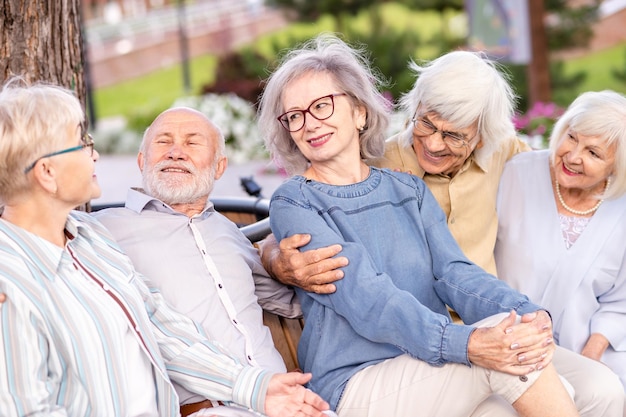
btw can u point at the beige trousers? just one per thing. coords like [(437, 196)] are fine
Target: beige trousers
[(407, 387), (596, 390)]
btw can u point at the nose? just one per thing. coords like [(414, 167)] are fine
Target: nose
[(575, 155), (176, 152), (95, 155), (434, 142), (310, 122)]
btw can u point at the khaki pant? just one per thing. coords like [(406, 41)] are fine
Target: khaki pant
[(407, 387), (595, 386)]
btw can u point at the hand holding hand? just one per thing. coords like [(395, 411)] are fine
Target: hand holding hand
[(314, 270), (286, 397), (511, 347)]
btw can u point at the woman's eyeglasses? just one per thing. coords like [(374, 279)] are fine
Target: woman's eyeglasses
[(86, 145), (321, 109)]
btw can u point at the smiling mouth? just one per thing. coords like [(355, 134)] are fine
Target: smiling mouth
[(318, 140), (569, 170), (435, 156), (175, 170)]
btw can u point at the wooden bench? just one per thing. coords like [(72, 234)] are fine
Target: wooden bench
[(286, 335)]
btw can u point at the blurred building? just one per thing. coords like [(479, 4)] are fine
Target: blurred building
[(129, 38)]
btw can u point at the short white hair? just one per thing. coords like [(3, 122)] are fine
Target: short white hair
[(601, 114)]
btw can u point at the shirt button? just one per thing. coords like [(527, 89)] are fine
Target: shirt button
[(523, 378)]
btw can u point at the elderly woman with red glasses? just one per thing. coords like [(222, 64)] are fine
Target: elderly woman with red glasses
[(383, 343)]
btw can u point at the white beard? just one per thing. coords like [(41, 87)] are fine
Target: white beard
[(172, 189)]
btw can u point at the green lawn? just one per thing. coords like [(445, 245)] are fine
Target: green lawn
[(157, 90), (598, 67)]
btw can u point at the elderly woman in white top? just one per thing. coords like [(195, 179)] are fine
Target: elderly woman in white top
[(562, 228)]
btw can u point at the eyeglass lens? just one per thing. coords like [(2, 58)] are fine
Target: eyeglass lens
[(321, 109), (425, 127)]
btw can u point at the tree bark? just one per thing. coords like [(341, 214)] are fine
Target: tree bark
[(41, 40), (539, 67)]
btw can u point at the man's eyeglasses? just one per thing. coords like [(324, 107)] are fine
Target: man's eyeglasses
[(321, 109), (424, 127), (86, 145)]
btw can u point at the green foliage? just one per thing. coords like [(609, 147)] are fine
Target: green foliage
[(438, 5), (414, 35), (564, 84), (573, 27), (313, 10), (309, 10), (592, 72)]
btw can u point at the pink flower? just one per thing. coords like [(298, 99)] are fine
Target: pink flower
[(539, 120)]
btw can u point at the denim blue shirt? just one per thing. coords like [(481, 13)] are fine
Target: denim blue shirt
[(405, 267)]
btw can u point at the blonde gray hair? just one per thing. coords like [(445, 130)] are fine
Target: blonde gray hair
[(34, 121)]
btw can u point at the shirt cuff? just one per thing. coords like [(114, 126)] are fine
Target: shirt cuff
[(455, 343), (251, 387)]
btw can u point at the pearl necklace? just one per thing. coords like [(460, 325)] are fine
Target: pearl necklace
[(579, 212)]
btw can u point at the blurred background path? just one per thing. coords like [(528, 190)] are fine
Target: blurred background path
[(116, 173)]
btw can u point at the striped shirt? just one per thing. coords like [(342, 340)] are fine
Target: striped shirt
[(61, 349)]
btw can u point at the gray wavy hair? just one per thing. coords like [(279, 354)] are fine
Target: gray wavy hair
[(351, 72)]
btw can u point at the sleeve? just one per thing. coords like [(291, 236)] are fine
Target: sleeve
[(272, 296), (196, 363), (610, 318), (517, 146), (364, 294), (472, 292), (25, 385), (275, 297)]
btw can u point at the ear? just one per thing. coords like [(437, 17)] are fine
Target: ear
[(44, 174), (480, 144), (222, 164), (140, 161), (360, 116)]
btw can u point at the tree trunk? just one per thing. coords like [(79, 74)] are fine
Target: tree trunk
[(539, 67), (41, 40)]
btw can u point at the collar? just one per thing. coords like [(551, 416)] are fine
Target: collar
[(137, 200), (47, 261)]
